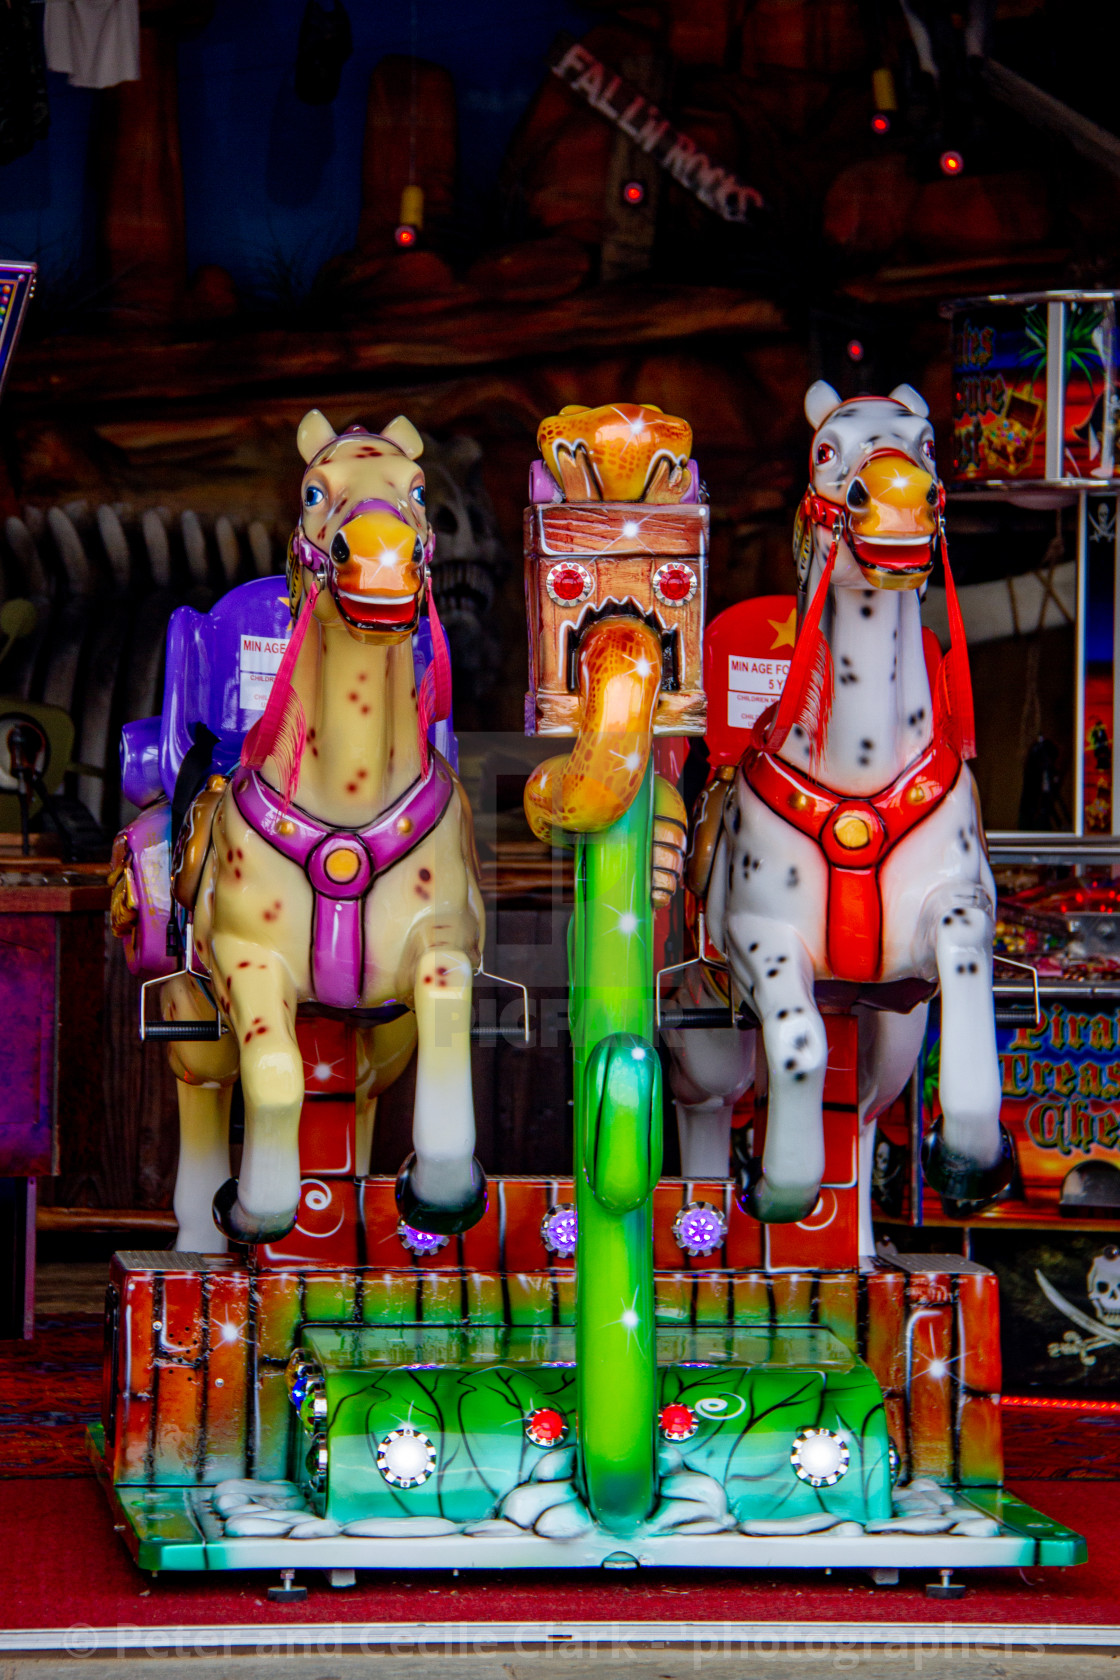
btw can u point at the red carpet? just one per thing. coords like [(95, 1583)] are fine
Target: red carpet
[(69, 1567), (50, 1389)]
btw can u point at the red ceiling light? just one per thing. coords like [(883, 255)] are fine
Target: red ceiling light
[(405, 236), (952, 163), (855, 350), (880, 123), (634, 192)]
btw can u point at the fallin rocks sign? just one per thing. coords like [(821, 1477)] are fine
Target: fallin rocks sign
[(639, 119)]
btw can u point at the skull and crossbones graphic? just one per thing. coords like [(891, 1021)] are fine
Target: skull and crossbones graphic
[(1103, 1288)]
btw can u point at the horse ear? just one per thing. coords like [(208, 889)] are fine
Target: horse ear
[(315, 432), (404, 434), (911, 399), (820, 400)]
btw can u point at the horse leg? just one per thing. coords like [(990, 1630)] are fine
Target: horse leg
[(771, 966), (261, 1204), (709, 1071), (383, 1053), (966, 1156), (206, 1073), (441, 1186), (888, 1049)]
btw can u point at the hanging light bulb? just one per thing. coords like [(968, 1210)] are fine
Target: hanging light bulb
[(884, 99), (412, 216)]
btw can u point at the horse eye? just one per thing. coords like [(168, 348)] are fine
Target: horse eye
[(927, 449), (825, 453), (418, 494), (313, 495)]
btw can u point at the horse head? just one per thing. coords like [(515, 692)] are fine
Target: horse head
[(873, 489), (363, 529)]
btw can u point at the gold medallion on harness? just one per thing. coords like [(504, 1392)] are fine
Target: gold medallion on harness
[(342, 865), (851, 831)]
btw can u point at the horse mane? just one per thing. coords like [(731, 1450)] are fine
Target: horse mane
[(806, 697), (433, 703), (953, 705), (280, 733)]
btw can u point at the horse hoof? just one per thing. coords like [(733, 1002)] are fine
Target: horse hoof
[(775, 1204), (232, 1220), (440, 1221), (962, 1185)]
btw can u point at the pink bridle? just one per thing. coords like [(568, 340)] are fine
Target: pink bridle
[(281, 729)]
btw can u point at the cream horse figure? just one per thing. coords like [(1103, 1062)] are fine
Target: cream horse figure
[(338, 866), (849, 847)]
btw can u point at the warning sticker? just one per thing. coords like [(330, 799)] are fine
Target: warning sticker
[(752, 685), (259, 663)]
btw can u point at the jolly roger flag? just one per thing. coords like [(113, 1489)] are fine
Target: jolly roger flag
[(1059, 1309)]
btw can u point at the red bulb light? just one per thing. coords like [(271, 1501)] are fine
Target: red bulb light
[(634, 192), (546, 1426), (678, 1422), (405, 236), (674, 583), (881, 123), (952, 163), (855, 350), (568, 583)]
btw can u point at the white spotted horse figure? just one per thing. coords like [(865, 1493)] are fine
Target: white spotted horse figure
[(850, 864)]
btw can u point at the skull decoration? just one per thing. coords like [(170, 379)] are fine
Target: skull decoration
[(469, 560), (1104, 1286)]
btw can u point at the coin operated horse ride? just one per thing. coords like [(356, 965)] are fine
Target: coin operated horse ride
[(335, 866), (612, 1370), (842, 866)]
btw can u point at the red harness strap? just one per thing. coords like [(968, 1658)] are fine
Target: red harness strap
[(856, 835)]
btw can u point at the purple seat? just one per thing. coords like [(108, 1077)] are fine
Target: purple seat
[(219, 671)]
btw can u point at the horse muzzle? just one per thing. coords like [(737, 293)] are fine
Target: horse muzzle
[(375, 574), (893, 511)]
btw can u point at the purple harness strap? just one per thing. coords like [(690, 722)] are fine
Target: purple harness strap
[(342, 865)]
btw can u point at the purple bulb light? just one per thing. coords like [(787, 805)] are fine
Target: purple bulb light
[(420, 1242), (560, 1229), (699, 1228)]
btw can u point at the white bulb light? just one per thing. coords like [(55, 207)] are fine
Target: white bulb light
[(406, 1457), (819, 1457)]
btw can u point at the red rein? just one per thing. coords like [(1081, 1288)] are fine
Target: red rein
[(807, 693)]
